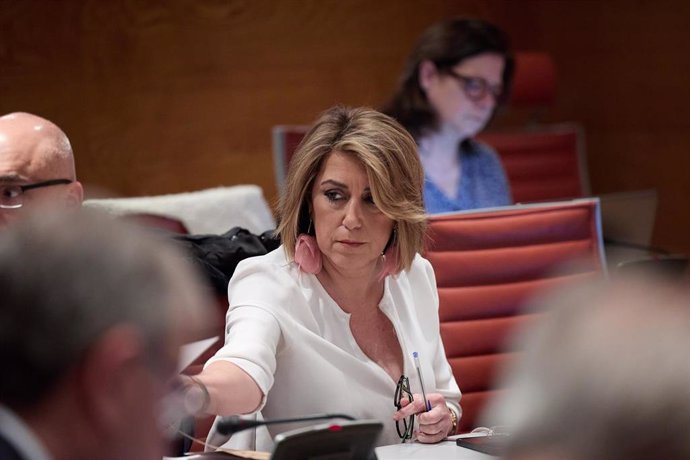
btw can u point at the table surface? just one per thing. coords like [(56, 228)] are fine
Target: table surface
[(415, 451), (442, 451)]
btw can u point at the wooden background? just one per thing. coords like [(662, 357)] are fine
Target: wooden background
[(178, 95)]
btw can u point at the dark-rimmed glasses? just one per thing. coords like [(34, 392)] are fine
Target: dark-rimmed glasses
[(405, 427), (476, 88), (12, 196)]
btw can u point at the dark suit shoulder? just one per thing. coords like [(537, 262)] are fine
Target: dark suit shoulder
[(7, 451)]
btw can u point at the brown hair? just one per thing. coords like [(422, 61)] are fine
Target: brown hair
[(446, 44)]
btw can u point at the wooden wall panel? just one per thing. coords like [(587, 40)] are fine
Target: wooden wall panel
[(161, 97)]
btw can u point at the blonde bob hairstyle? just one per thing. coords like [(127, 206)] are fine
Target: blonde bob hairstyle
[(389, 155)]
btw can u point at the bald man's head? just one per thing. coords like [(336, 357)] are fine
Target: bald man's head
[(34, 150)]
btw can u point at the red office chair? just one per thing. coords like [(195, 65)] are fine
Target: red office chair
[(488, 265), (543, 164)]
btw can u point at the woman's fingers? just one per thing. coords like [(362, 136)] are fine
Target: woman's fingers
[(434, 425), (409, 408)]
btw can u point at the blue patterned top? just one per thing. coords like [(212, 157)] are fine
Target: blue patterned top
[(483, 183)]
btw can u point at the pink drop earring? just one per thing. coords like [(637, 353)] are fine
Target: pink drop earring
[(307, 253)]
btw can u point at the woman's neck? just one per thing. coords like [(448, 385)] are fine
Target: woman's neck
[(445, 139), (352, 290), (441, 146), (439, 155)]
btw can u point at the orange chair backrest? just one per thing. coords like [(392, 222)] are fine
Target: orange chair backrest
[(488, 265), (542, 164)]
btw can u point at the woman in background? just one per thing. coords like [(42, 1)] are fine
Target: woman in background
[(457, 74), (329, 321)]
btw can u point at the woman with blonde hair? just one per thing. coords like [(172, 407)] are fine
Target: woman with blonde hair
[(329, 321)]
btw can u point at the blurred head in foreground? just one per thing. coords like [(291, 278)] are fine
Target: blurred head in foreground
[(606, 375), (93, 313)]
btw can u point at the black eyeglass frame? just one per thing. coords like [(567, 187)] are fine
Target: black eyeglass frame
[(483, 89), (402, 389), (23, 188)]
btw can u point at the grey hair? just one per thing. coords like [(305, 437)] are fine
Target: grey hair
[(66, 278), (605, 376)]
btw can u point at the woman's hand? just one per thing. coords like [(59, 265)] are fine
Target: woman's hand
[(432, 426)]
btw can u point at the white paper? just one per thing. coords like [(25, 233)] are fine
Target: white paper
[(191, 351), (481, 434)]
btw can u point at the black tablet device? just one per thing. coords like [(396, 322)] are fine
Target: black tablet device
[(347, 440), (492, 445)]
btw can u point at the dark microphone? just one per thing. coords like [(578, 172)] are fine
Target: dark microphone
[(233, 424)]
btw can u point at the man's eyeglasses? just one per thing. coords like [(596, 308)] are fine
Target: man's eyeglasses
[(12, 196), (476, 88), (405, 427)]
